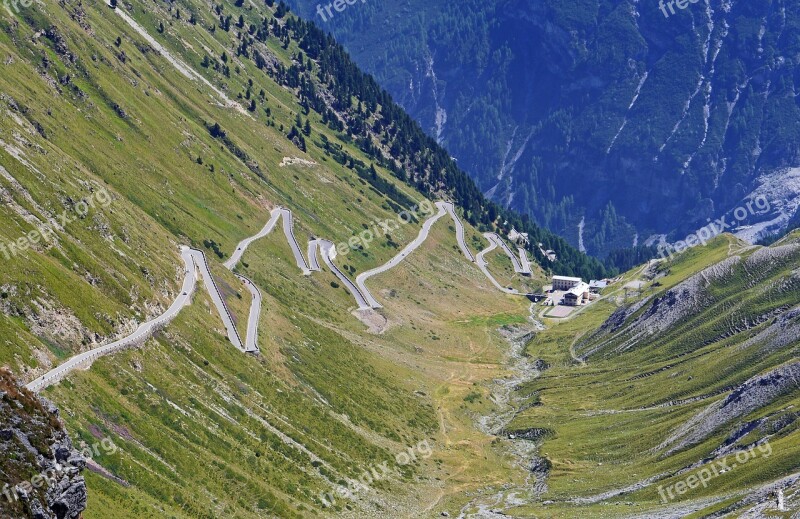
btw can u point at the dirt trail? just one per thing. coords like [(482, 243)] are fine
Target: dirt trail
[(572, 350)]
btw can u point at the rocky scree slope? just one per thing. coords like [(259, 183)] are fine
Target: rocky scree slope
[(695, 369), (746, 305)]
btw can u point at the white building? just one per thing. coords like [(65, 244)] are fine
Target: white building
[(577, 295), (596, 285), (565, 283), (518, 237)]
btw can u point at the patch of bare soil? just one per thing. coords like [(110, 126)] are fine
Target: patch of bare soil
[(374, 321)]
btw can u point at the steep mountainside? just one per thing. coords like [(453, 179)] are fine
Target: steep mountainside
[(605, 112), (130, 131)]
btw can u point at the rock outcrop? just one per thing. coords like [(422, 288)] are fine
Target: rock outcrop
[(40, 469), (754, 394)]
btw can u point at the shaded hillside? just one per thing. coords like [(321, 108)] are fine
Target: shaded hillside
[(603, 109)]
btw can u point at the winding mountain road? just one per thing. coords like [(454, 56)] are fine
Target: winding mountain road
[(408, 249), (444, 208), (288, 231), (142, 333), (498, 241), (216, 298), (448, 206), (482, 263), (242, 247), (313, 260), (195, 261), (524, 261), (328, 251), (251, 342)]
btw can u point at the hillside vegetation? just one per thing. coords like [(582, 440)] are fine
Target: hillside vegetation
[(606, 110), (126, 132), (653, 386)]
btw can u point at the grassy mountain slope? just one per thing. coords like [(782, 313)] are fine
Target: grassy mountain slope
[(697, 367), (90, 106)]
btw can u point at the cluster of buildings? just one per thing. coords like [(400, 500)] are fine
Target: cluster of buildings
[(576, 291)]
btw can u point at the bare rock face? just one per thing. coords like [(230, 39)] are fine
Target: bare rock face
[(685, 299), (624, 329), (755, 393), (40, 469)]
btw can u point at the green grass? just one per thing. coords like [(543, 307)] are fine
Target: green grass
[(608, 416), (203, 429)]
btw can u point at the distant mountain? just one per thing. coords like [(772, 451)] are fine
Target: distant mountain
[(618, 114)]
